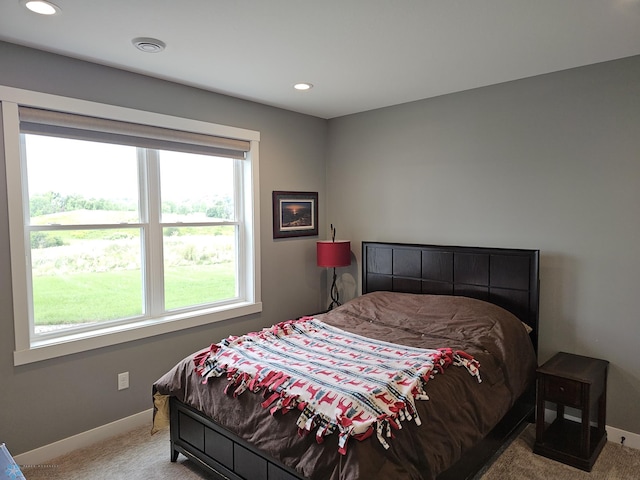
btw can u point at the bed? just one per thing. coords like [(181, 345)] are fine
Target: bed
[(479, 302)]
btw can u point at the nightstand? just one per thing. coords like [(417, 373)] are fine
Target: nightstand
[(579, 382)]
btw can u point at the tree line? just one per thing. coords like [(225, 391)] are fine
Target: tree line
[(53, 202)]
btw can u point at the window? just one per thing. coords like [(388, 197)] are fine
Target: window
[(124, 224)]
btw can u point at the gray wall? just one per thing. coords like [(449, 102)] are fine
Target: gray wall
[(47, 401), (551, 163)]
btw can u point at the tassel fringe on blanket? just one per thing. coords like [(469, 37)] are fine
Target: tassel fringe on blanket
[(338, 381)]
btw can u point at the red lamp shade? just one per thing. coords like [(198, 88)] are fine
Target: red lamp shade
[(334, 254)]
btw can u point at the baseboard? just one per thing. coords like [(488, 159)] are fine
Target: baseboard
[(43, 454), (615, 435)]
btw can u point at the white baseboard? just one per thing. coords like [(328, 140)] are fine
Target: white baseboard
[(614, 434), (43, 454)]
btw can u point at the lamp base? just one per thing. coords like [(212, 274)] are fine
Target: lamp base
[(335, 297)]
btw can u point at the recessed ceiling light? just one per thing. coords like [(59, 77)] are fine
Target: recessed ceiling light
[(148, 45), (41, 7), (303, 86)]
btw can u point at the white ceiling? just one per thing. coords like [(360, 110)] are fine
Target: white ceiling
[(359, 54)]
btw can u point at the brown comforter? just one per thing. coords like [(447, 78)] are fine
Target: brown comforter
[(458, 414)]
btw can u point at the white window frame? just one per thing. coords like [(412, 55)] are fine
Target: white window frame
[(27, 351)]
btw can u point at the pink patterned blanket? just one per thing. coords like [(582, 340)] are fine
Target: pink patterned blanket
[(339, 381)]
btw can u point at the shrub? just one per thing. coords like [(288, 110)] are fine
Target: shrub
[(45, 240)]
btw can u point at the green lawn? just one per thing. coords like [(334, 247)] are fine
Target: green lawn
[(101, 296)]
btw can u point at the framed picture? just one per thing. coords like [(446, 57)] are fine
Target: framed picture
[(295, 214)]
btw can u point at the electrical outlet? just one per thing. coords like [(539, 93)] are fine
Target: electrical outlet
[(123, 380)]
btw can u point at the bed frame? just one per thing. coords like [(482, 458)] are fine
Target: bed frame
[(506, 277)]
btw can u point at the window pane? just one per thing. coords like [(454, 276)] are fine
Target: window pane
[(196, 188), (83, 277), (75, 182), (199, 265)]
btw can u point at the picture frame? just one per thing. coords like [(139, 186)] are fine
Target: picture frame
[(295, 214)]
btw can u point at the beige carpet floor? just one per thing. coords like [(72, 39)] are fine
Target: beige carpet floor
[(137, 455), (518, 462)]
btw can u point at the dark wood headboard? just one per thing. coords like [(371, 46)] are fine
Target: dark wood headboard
[(506, 277)]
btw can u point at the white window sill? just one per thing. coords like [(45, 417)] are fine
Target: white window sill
[(76, 343)]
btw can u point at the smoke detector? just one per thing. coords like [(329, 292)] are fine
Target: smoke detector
[(148, 45)]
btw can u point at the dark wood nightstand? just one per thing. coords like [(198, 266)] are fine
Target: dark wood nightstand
[(579, 382)]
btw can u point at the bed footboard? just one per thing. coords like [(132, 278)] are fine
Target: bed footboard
[(219, 451), (229, 457)]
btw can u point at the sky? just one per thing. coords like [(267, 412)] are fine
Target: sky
[(101, 170)]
